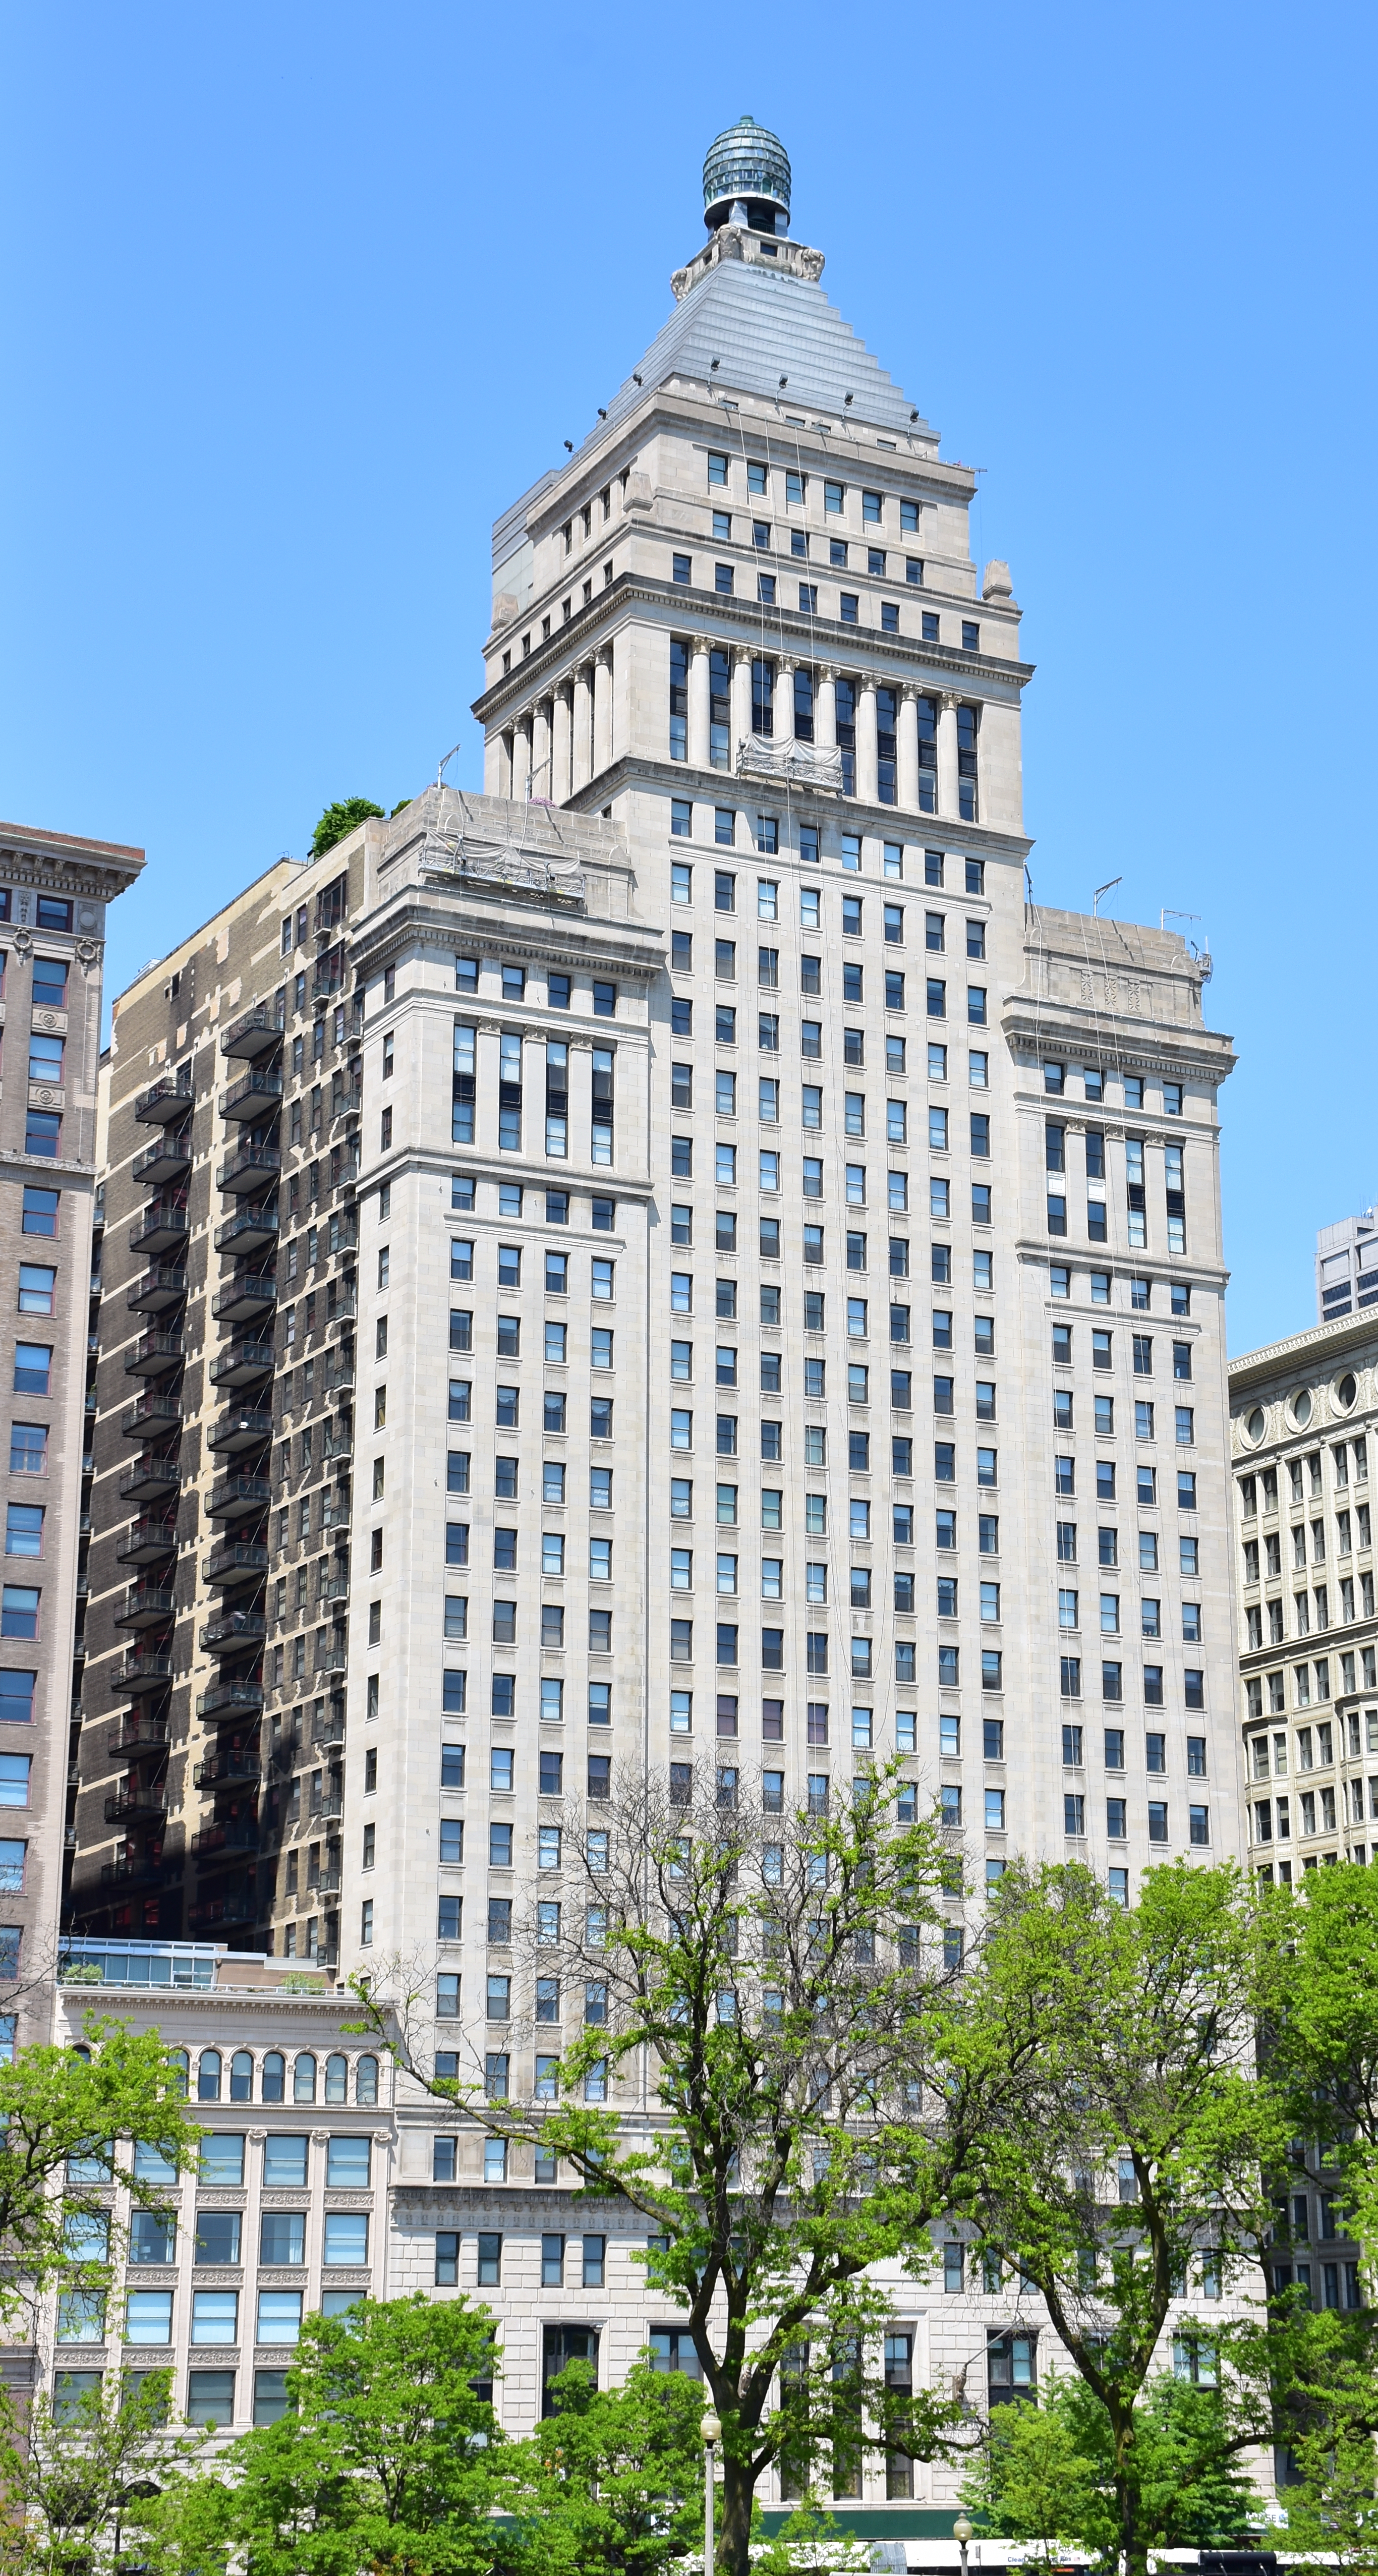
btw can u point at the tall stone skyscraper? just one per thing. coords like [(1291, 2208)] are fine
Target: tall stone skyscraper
[(54, 893), (764, 1315)]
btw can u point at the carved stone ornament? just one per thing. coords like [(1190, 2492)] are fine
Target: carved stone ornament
[(89, 954), (257, 2137), (811, 264), (22, 942)]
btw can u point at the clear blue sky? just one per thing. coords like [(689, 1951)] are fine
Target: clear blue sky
[(296, 298)]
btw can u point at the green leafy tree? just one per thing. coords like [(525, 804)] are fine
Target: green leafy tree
[(80, 2479), (1333, 2506), (611, 2484), (1046, 2471), (780, 1983), (71, 2116), (339, 820), (387, 2458), (1122, 2167), (1321, 2041), (1030, 2480)]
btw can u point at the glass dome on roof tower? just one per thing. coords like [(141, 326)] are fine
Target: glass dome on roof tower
[(746, 179)]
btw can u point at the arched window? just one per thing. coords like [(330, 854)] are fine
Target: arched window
[(366, 2080), (208, 2076), (304, 2080), (274, 2076), (337, 2079), (241, 2076), (178, 2073)]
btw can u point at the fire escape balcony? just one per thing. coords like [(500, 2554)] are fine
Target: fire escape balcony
[(135, 1736), (241, 1362), (139, 1673), (252, 1168), (255, 1095), (137, 1803), (250, 1229), (145, 1540), (163, 1226), (166, 1159), (234, 1562), (239, 1497), (247, 1296), (146, 1605), (230, 1699), (255, 1033), (151, 1417), (155, 1354), (157, 1289), (154, 1473), (163, 1101), (223, 1769), (234, 1628), (237, 1833), (244, 1426)]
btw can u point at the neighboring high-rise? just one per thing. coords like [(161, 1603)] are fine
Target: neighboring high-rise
[(54, 891), (787, 1272), (1347, 1266), (221, 1503)]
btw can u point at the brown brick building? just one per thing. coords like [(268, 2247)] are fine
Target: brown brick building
[(209, 1798)]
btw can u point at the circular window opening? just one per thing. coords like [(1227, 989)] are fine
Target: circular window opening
[(1257, 1423), (1347, 1390), (1301, 1409)]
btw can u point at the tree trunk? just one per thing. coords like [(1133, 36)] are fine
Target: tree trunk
[(733, 2537)]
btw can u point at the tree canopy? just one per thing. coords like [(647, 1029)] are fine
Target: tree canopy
[(339, 820)]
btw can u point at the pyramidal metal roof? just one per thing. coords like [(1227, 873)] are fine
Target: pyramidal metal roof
[(762, 323)]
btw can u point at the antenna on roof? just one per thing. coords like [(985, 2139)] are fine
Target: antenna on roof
[(1108, 888)]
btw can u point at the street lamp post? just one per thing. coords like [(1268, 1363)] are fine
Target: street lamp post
[(963, 2534), (711, 2431)]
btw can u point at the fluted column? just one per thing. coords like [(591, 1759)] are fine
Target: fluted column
[(583, 727), (540, 749), (741, 700), (825, 706), (947, 757), (602, 711), (907, 762), (497, 765), (521, 759), (560, 745), (699, 701), (866, 781)]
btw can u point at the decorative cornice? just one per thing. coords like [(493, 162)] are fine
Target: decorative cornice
[(887, 822), (568, 935), (1320, 1342), (810, 633)]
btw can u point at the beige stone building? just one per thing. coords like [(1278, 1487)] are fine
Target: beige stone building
[(1303, 1418), (779, 1282)]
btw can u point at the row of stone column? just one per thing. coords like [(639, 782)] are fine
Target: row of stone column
[(559, 744)]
